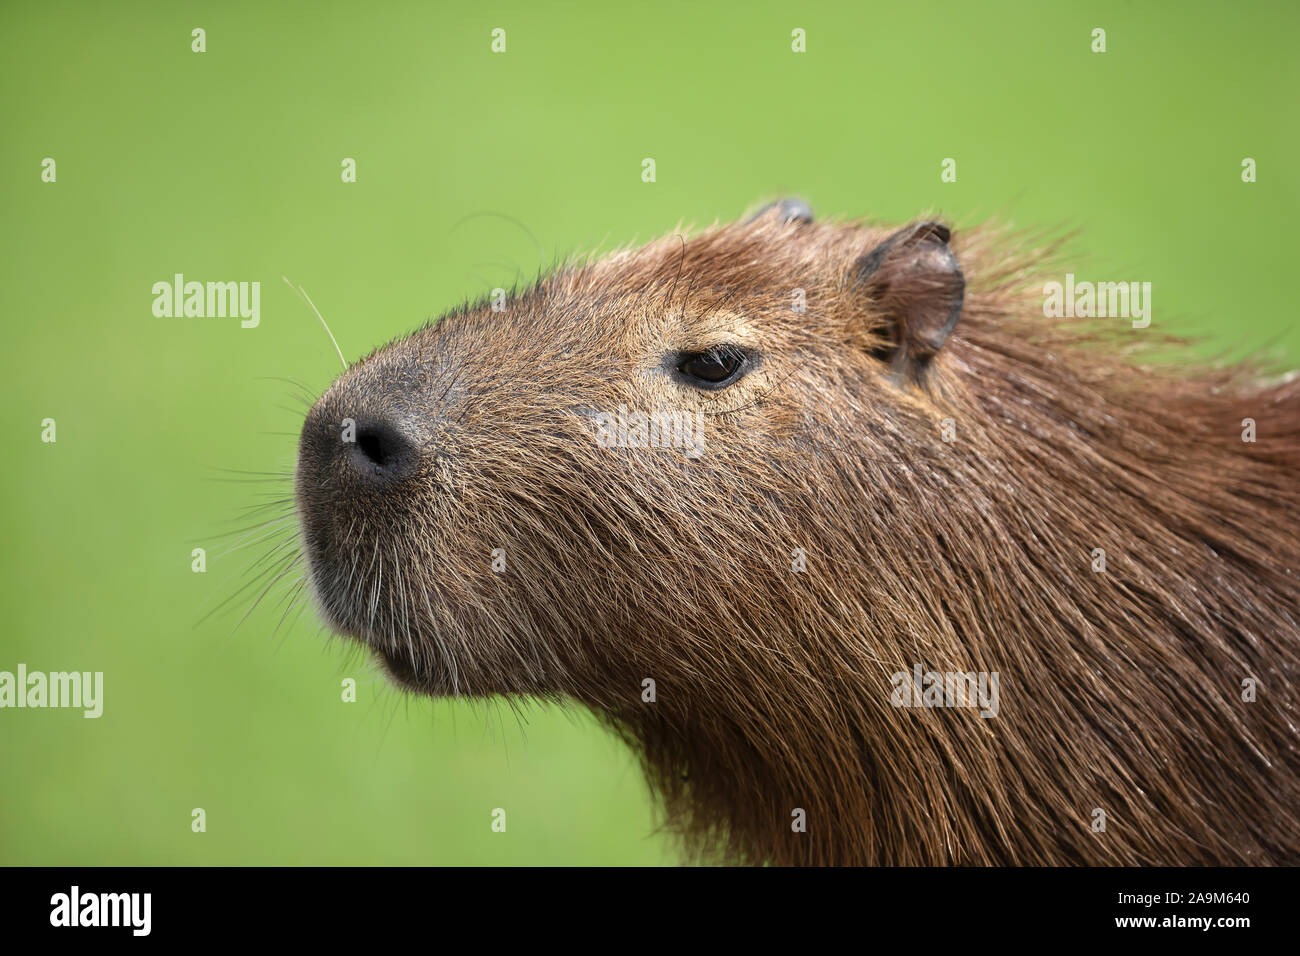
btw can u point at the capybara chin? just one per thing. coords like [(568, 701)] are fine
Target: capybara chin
[(760, 497)]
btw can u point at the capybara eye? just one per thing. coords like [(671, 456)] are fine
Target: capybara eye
[(715, 368)]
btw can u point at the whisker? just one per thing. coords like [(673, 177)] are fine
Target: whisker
[(306, 298), (295, 559), (256, 579), (278, 526)]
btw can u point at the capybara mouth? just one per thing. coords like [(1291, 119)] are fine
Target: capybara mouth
[(348, 618), (402, 671)]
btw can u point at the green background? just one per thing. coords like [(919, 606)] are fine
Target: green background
[(474, 168)]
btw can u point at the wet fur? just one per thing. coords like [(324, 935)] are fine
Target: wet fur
[(1119, 690)]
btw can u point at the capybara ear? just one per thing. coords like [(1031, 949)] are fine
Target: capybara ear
[(790, 210), (914, 280)]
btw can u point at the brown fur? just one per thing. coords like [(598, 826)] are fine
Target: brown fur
[(1119, 690)]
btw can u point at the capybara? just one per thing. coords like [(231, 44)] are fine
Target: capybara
[(869, 555)]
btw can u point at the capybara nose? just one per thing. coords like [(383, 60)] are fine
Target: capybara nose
[(348, 451), (380, 451)]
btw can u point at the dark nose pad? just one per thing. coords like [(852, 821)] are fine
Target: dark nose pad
[(381, 451)]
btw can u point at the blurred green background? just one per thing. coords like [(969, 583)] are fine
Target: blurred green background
[(473, 168)]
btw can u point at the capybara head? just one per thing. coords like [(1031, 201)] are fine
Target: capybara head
[(724, 490)]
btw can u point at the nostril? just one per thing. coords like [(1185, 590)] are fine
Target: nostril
[(380, 449), (376, 446)]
